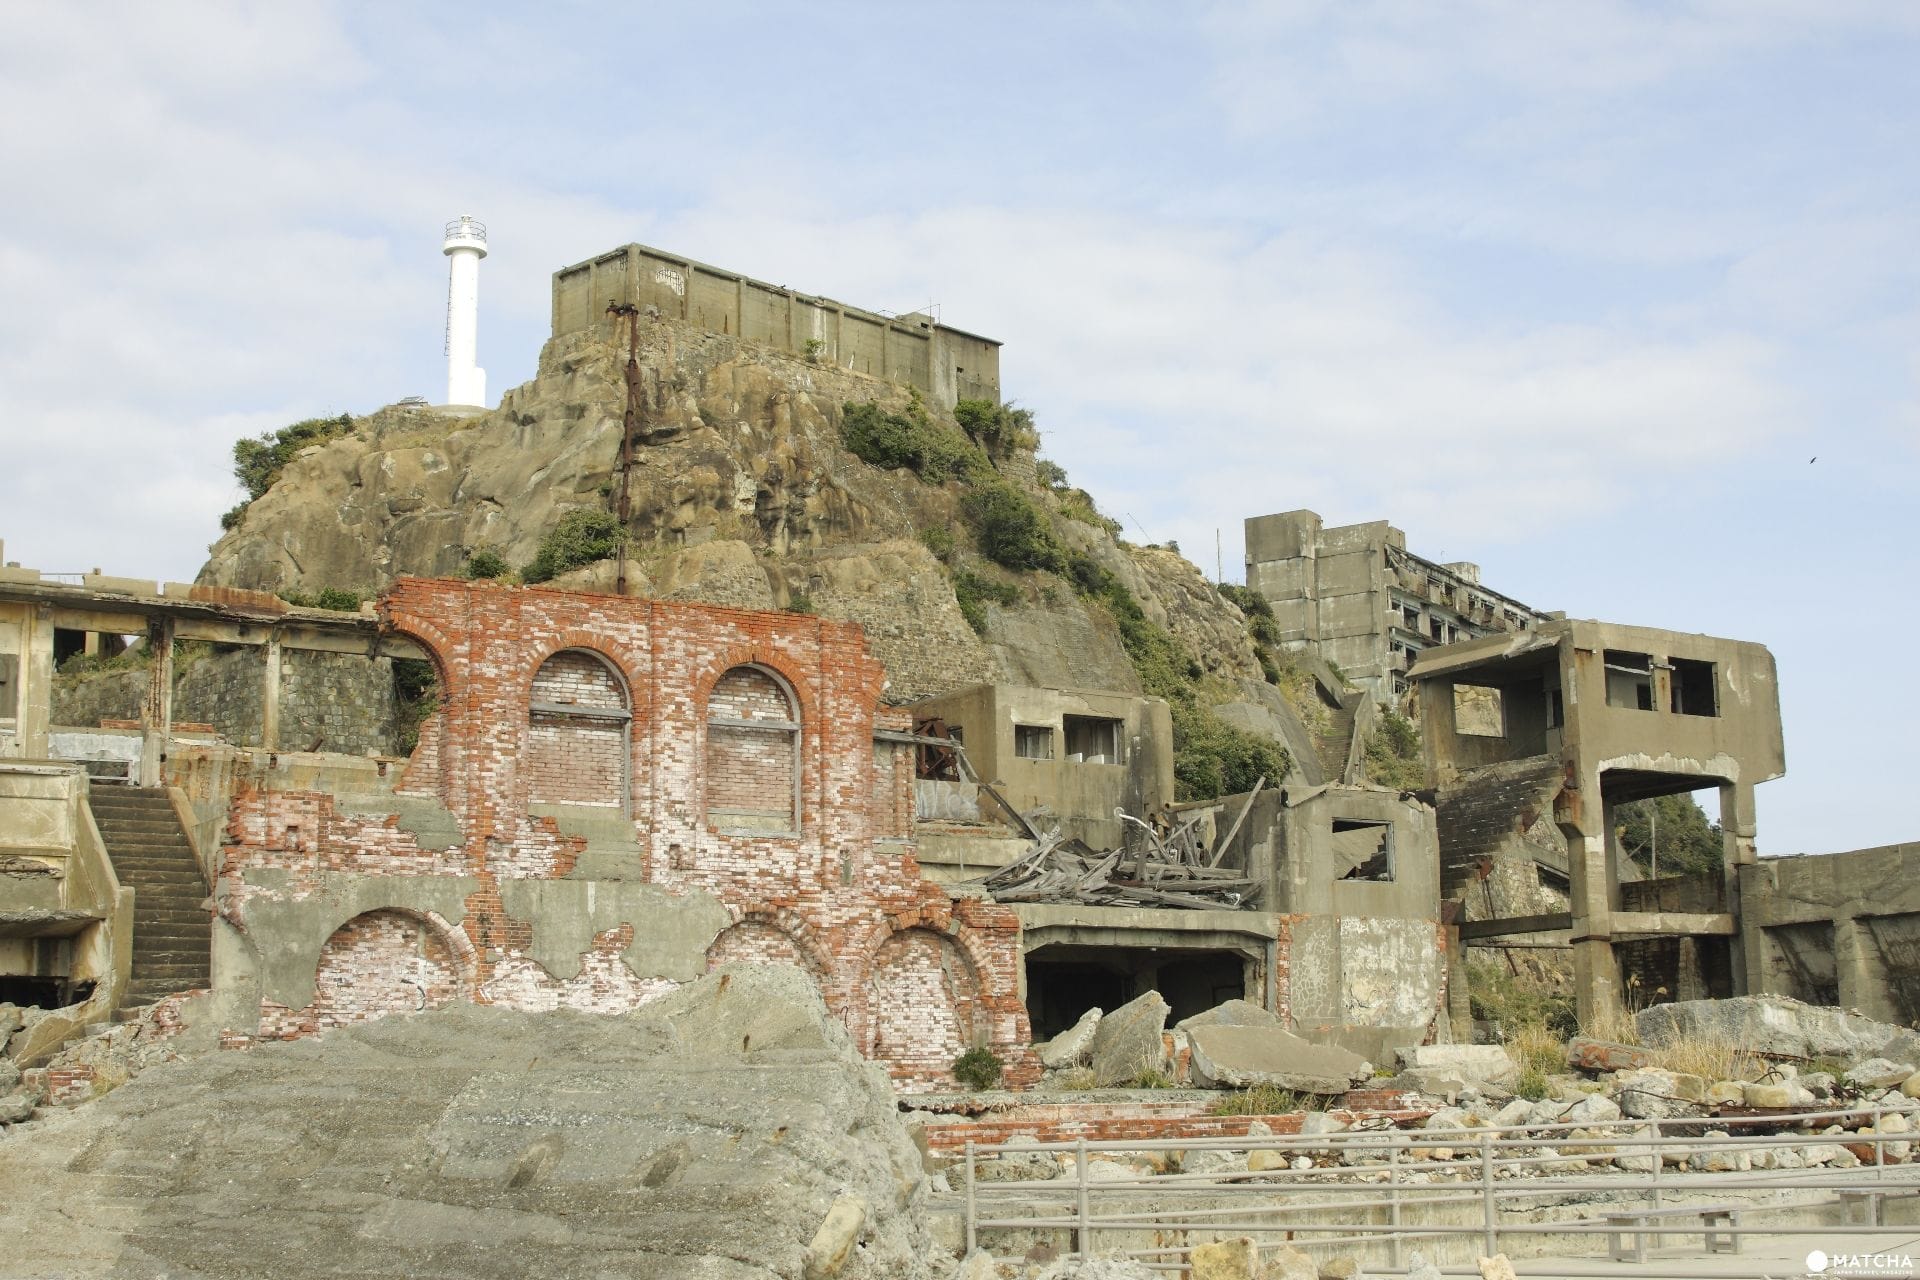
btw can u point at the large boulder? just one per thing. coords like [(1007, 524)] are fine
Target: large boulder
[(1235, 1057), (1778, 1026), (1130, 1041), (1070, 1047), (728, 1131), (1234, 1013), (1484, 1064)]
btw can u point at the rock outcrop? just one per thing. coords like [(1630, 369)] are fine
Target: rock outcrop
[(741, 493), (728, 1131)]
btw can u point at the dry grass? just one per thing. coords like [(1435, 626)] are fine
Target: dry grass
[(1534, 1046), (1709, 1057)]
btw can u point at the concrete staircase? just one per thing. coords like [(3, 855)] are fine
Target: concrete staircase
[(172, 933), (1333, 745)]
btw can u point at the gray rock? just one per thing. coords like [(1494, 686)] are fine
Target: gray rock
[(1234, 1013), (1129, 1041), (9, 1076), (1878, 1073), (1098, 1267), (1818, 1083), (1481, 1064), (1778, 1026), (1239, 1057), (1418, 1268), (1070, 1047), (17, 1107), (492, 1143), (1653, 1094)]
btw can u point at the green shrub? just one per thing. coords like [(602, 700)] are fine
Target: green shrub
[(1077, 504), (486, 563), (978, 1068), (911, 440), (230, 518), (1010, 530), (799, 602), (582, 536), (258, 462), (334, 598), (416, 695), (939, 540), (1532, 1085), (1000, 429), (1393, 753), (1049, 473), (973, 591)]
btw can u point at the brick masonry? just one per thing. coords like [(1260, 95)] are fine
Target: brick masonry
[(795, 821)]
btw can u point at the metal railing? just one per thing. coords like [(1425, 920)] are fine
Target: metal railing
[(1363, 1187)]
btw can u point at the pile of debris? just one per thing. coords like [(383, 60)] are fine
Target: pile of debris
[(1168, 864)]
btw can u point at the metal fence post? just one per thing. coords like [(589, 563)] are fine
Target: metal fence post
[(972, 1242), (1879, 1147), (1082, 1245), (1487, 1221), (1659, 1159), (1394, 1243)]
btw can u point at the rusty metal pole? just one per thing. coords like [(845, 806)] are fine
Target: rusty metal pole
[(629, 426)]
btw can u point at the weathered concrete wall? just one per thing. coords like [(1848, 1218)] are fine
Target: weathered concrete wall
[(458, 884), (1022, 740), (1844, 924), (945, 364)]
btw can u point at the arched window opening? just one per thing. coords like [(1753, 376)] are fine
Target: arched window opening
[(577, 726), (753, 754)]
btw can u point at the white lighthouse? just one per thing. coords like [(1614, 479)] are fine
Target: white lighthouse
[(466, 244)]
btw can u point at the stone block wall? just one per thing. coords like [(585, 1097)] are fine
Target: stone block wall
[(343, 701), (337, 915)]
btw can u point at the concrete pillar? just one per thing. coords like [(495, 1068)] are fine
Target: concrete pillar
[(36, 684), (1856, 967), (1737, 832), (270, 693), (1596, 975), (156, 712)]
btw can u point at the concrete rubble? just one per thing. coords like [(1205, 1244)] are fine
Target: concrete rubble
[(1071, 1047), (1127, 1043), (1778, 1027), (728, 1131), (1247, 1057)]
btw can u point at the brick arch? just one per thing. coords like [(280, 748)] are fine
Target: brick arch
[(616, 655), (567, 754), (430, 750), (775, 936), (754, 779), (390, 960), (795, 678), (922, 992)]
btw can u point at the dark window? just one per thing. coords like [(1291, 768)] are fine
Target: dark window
[(1696, 691), (1092, 739), (1364, 850), (1629, 679), (9, 684), (1033, 741)]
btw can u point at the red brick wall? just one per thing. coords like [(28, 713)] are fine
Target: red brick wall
[(901, 962)]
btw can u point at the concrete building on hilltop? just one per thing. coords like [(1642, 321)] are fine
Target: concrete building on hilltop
[(1355, 596)]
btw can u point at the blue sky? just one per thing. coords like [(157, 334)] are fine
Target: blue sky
[(1571, 290)]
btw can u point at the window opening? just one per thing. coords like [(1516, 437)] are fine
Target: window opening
[(1696, 691), (1362, 849), (1629, 679), (1479, 711), (1556, 709), (1033, 741), (1092, 739), (577, 722)]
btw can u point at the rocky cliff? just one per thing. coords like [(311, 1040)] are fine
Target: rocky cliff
[(740, 491)]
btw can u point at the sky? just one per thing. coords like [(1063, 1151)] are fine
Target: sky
[(1620, 301)]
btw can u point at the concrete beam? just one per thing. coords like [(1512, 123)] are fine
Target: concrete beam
[(1552, 922), (1644, 924)]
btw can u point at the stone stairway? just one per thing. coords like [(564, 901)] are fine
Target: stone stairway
[(1332, 746), (172, 933)]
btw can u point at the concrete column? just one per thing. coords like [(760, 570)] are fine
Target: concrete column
[(1737, 832), (36, 684), (1856, 967), (156, 712), (270, 693), (1596, 976)]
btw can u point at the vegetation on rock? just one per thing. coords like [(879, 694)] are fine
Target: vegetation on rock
[(1011, 530), (582, 537), (337, 599), (259, 460), (974, 591), (978, 1068), (486, 563), (1393, 756), (911, 439), (1000, 429)]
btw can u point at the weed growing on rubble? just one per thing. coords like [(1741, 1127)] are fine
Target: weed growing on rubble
[(978, 1068), (1267, 1100)]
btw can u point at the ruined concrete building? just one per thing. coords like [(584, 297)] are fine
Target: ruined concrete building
[(1572, 720), (1356, 597)]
